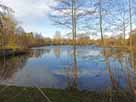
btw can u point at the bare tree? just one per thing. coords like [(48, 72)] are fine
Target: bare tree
[(102, 12), (64, 14), (130, 20), (120, 18), (101, 20), (70, 14)]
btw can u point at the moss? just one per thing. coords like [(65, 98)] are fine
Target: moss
[(20, 94)]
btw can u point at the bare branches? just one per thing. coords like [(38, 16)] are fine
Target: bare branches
[(5, 10)]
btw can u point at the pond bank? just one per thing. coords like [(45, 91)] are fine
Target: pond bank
[(10, 52), (20, 94)]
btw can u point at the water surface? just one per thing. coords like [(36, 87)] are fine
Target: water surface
[(83, 67)]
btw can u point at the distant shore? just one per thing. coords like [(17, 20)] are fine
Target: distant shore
[(21, 51)]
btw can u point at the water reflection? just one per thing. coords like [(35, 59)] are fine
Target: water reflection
[(121, 68), (72, 67), (8, 66), (132, 74), (114, 83), (72, 78), (38, 52), (57, 51)]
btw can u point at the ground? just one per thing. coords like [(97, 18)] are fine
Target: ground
[(20, 94)]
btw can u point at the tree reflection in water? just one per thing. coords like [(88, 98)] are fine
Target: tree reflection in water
[(125, 70), (72, 77), (10, 65), (38, 52), (57, 51), (117, 68)]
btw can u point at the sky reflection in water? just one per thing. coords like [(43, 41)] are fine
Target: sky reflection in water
[(84, 67)]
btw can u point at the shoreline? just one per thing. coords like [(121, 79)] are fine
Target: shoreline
[(10, 52)]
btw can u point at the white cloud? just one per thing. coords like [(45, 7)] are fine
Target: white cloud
[(31, 14), (33, 8)]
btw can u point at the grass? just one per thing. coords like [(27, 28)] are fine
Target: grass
[(20, 94)]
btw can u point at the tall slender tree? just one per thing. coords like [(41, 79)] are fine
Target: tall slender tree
[(101, 21), (130, 20), (64, 14), (120, 18), (70, 14), (102, 11)]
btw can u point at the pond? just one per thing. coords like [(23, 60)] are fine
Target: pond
[(79, 67)]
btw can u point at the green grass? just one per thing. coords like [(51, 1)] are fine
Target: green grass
[(20, 94)]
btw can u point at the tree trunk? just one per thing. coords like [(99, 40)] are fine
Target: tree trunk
[(130, 18), (101, 22), (74, 18)]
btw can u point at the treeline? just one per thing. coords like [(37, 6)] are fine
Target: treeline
[(118, 41), (12, 35), (68, 41), (109, 41)]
